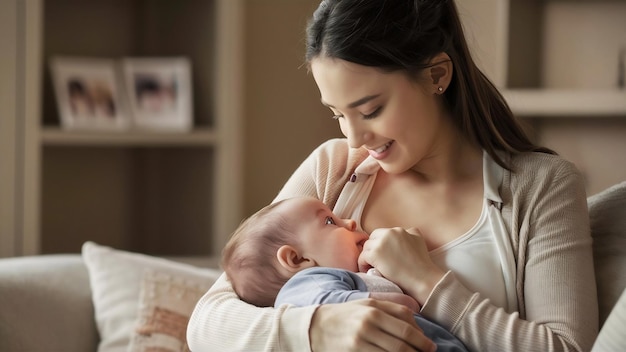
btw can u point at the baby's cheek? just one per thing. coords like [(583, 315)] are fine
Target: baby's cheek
[(353, 261)]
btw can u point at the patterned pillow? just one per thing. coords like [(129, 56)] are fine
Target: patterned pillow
[(165, 305)]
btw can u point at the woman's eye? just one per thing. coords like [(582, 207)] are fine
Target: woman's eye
[(329, 220), (373, 114), (337, 117)]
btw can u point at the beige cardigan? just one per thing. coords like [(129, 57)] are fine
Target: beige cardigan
[(545, 212)]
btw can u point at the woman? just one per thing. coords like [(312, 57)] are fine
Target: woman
[(487, 231)]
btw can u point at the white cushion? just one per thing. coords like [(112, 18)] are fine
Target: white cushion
[(116, 279)]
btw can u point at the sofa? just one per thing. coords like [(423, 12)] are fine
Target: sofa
[(111, 300), (103, 299)]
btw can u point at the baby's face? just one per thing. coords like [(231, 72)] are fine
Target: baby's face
[(328, 240)]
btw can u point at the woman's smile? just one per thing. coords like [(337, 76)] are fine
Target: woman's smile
[(380, 152)]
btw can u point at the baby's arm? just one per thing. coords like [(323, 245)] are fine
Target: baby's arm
[(321, 285), (327, 285)]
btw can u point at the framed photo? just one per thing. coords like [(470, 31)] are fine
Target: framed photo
[(159, 92), (88, 93)]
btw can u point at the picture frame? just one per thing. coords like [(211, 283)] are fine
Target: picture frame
[(88, 94), (159, 92)]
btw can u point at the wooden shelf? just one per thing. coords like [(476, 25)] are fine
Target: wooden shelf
[(201, 137), (566, 102), (128, 189), (550, 58)]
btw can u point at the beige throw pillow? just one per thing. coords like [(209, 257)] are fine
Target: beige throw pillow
[(122, 282)]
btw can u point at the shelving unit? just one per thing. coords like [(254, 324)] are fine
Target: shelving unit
[(200, 136), (551, 58), (565, 103), (175, 194)]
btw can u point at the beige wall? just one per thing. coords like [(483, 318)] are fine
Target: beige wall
[(283, 118), (597, 146)]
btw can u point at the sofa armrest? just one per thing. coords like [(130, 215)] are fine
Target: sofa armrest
[(46, 304)]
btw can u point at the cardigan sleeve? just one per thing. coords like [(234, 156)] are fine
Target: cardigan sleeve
[(549, 227), (323, 174), (222, 322)]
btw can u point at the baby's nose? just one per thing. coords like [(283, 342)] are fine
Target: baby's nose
[(350, 224)]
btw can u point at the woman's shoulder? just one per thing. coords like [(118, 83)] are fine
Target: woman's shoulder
[(339, 145), (324, 172), (537, 164), (333, 146), (336, 151), (537, 173)]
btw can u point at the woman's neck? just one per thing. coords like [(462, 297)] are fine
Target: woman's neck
[(457, 161)]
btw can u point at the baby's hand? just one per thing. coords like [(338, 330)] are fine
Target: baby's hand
[(373, 271)]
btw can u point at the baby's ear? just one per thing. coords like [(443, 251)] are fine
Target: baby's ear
[(290, 259)]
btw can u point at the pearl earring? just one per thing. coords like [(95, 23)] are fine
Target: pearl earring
[(440, 89)]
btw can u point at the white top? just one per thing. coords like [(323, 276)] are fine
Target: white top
[(482, 259), (475, 260)]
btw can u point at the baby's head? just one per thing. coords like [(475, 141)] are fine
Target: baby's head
[(283, 238)]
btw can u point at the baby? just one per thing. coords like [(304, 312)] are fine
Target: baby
[(298, 252)]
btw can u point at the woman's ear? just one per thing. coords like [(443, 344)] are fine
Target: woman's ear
[(290, 259), (440, 72)]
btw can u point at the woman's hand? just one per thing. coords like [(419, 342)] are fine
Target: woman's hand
[(367, 325), (402, 256), (397, 297)]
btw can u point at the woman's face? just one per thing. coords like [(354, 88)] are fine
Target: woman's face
[(397, 119)]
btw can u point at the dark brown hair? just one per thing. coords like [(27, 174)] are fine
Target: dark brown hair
[(407, 35)]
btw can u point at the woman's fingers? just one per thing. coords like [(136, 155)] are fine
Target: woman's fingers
[(367, 325), (401, 333)]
